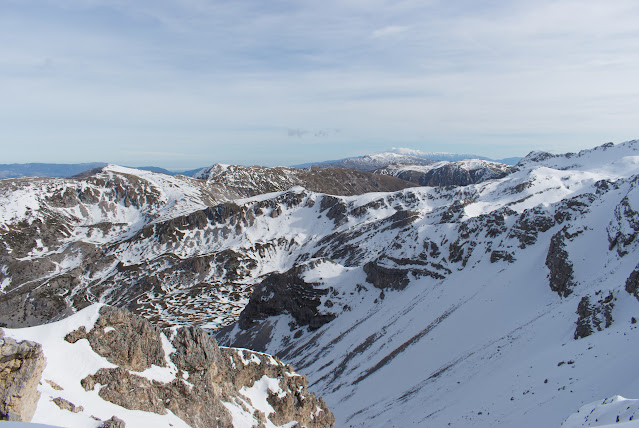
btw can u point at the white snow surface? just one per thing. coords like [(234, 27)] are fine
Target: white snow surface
[(612, 412)]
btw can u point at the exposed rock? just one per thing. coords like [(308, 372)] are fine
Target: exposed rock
[(123, 339), (561, 277), (288, 293), (383, 277), (498, 255), (21, 366), (67, 405), (206, 376), (594, 317), (530, 224), (114, 422), (632, 283), (624, 227)]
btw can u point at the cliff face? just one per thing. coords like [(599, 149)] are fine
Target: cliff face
[(126, 371)]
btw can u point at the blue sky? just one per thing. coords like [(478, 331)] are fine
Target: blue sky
[(187, 83)]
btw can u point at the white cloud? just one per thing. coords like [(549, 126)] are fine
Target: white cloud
[(206, 74)]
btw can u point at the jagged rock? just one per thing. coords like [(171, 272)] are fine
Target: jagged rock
[(206, 376), (632, 283), (623, 228), (295, 403), (336, 209), (288, 293), (67, 405), (498, 255), (530, 224), (123, 339), (21, 366), (561, 277), (594, 317), (114, 422)]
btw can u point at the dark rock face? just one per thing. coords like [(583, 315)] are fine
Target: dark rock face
[(561, 275), (21, 366), (594, 317), (530, 224), (632, 283), (623, 228), (386, 278), (288, 293), (214, 375), (498, 255)]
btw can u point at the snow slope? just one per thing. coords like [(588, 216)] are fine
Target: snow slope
[(468, 314)]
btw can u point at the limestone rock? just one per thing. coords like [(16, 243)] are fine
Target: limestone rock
[(206, 376), (123, 339), (114, 422), (21, 366)]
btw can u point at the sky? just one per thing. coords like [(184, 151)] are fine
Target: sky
[(187, 83)]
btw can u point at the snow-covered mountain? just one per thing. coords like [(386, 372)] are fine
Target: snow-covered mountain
[(399, 156), (445, 173), (160, 245), (507, 303), (492, 304)]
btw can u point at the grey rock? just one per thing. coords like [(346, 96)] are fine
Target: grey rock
[(21, 366), (67, 405), (561, 276), (114, 422), (594, 317), (123, 339), (288, 293), (206, 375)]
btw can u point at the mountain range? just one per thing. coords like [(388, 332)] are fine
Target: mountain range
[(362, 163), (456, 293)]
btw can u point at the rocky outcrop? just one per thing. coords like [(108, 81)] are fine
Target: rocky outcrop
[(21, 366), (623, 228), (206, 379), (114, 422), (561, 276), (594, 317), (124, 340), (286, 292), (632, 283), (386, 278)]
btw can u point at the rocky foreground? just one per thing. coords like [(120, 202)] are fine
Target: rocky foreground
[(104, 367)]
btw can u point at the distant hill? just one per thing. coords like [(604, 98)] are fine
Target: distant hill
[(46, 169), (401, 156)]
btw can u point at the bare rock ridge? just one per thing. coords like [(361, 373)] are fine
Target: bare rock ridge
[(244, 181), (206, 376), (21, 366)]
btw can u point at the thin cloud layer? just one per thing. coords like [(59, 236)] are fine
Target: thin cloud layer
[(86, 80)]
